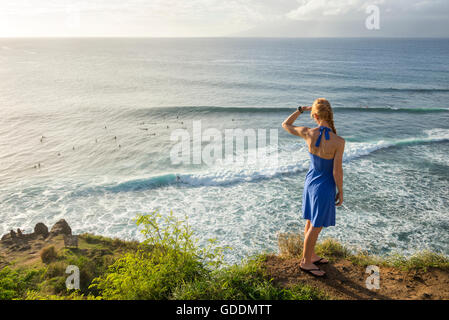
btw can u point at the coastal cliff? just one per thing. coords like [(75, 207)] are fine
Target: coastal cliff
[(33, 266)]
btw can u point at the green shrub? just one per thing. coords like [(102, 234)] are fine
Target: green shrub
[(8, 284), (55, 285), (91, 263), (14, 283), (55, 269), (168, 257), (49, 255)]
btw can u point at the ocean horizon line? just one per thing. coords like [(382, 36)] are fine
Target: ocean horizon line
[(219, 37)]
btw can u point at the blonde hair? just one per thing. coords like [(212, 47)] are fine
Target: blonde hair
[(322, 108)]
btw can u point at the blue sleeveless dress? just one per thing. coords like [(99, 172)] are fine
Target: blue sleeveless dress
[(318, 201)]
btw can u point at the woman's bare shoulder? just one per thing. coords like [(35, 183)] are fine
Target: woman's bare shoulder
[(339, 140)]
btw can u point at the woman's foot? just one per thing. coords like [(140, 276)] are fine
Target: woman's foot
[(318, 260), (312, 269)]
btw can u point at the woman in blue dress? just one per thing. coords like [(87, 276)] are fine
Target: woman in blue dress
[(324, 176)]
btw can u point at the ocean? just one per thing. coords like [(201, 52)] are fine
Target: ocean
[(86, 126)]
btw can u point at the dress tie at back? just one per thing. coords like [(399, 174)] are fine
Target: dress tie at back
[(326, 135)]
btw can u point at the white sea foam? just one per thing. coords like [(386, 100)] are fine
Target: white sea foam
[(293, 159)]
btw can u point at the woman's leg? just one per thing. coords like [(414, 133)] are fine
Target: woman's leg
[(309, 243), (315, 257), (309, 246), (306, 228)]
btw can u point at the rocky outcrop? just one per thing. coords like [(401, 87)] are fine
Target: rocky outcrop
[(19, 241), (41, 229), (61, 227)]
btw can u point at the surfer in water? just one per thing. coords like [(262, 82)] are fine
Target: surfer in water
[(325, 175)]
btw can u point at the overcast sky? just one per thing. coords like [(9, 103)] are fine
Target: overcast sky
[(210, 18)]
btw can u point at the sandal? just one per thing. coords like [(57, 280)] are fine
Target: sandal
[(310, 271), (320, 261)]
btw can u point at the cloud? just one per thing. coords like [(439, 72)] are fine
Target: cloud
[(334, 9), (203, 17), (130, 17), (251, 9), (212, 16), (310, 9)]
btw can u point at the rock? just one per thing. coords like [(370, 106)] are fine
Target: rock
[(20, 241), (41, 229), (71, 241), (61, 227)]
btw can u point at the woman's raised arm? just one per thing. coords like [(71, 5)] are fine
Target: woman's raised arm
[(295, 130)]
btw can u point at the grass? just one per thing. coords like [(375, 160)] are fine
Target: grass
[(421, 260), (245, 281), (45, 278), (291, 245), (99, 242), (169, 264)]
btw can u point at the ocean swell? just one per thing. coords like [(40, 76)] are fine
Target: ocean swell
[(230, 175), (198, 111)]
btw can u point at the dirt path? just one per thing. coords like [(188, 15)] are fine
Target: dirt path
[(346, 281)]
